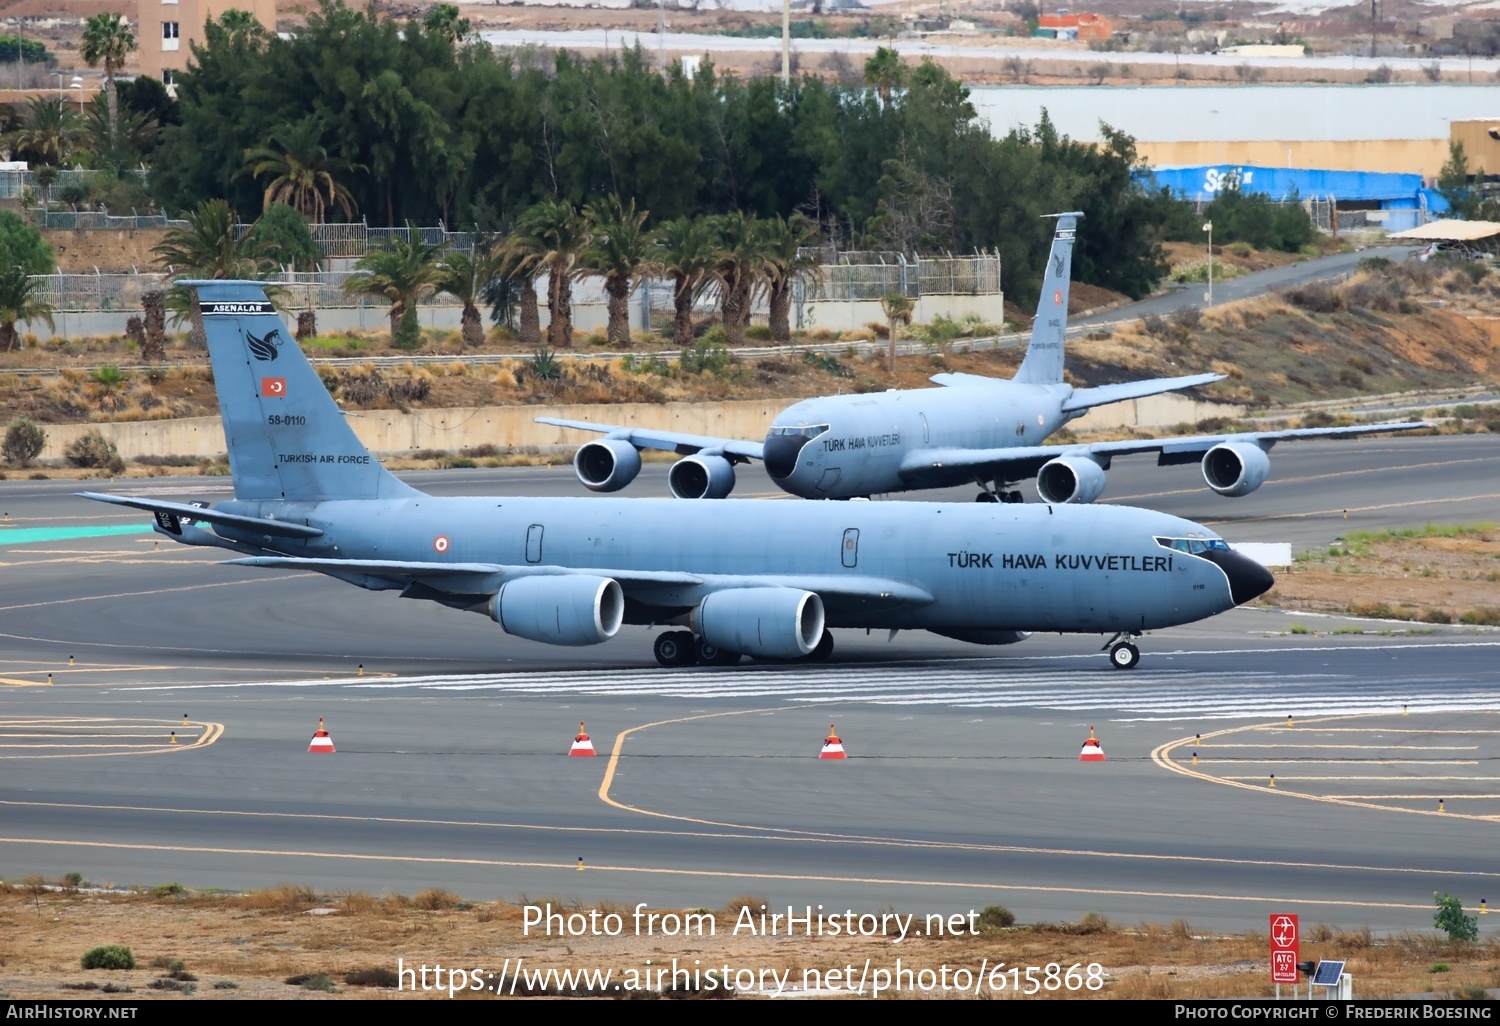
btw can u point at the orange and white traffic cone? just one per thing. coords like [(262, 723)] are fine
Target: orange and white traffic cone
[(321, 742), (833, 748), (1092, 750), (581, 744)]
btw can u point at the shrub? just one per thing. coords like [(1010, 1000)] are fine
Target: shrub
[(1156, 325), (92, 449), (996, 917), (23, 442), (108, 956), (1452, 920), (1316, 297)]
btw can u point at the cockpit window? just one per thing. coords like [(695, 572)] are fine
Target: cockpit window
[(808, 431), (1193, 545)]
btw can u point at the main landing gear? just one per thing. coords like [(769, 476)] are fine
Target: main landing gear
[(1011, 496), (684, 648), (1122, 654)]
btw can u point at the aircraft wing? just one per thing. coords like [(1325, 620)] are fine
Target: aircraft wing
[(1014, 464), (1086, 398), (656, 587), (166, 512), (670, 441)]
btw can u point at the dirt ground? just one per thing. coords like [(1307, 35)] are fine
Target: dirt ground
[(285, 943)]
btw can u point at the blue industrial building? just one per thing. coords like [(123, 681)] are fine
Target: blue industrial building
[(1396, 201)]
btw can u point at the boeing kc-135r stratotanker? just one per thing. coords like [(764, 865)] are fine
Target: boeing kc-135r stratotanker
[(764, 579), (987, 431)]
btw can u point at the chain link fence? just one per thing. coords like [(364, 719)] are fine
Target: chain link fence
[(912, 277)]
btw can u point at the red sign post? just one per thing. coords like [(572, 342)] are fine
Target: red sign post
[(1283, 948)]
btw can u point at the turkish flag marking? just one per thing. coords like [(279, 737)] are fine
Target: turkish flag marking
[(272, 388)]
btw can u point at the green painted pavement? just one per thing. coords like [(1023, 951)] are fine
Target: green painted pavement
[(26, 535)]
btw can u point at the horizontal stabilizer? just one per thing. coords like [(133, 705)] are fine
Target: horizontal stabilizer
[(260, 525), (1087, 398)]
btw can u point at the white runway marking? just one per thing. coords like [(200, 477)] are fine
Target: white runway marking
[(1146, 696)]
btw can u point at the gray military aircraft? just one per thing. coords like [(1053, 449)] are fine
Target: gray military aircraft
[(971, 429), (763, 579)]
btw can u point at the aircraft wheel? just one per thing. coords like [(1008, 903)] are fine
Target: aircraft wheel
[(1124, 656), (986, 497), (709, 654), (1011, 497), (675, 648), (823, 650)]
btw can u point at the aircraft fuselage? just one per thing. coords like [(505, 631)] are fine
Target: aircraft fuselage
[(867, 436), (969, 566)]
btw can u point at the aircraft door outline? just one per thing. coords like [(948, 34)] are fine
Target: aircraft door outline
[(534, 543), (849, 552)]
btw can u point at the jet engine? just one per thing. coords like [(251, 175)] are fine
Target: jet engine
[(701, 477), (1235, 468), (607, 465), (1070, 479), (983, 637), (562, 609), (771, 623)]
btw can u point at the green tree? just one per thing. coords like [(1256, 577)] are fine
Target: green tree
[(1457, 186), (22, 245), (107, 39), (20, 300), (1452, 920), (620, 250), (302, 174), (443, 20), (401, 273), (281, 236), (552, 236), (687, 251)]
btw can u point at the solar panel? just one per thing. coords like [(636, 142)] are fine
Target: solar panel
[(1328, 974)]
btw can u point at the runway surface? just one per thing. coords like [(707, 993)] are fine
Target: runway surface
[(963, 787)]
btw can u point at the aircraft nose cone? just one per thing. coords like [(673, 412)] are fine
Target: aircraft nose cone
[(1247, 578), (781, 454)]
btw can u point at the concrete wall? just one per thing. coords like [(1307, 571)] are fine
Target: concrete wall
[(391, 431)]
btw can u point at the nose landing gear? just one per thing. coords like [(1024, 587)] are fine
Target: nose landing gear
[(1122, 654)]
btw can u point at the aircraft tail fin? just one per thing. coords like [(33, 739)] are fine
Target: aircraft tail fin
[(1043, 364), (287, 438)]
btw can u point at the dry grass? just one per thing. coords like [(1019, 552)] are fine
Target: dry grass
[(261, 940)]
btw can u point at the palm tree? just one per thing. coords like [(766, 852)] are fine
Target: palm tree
[(213, 245), (518, 271), (20, 300), (743, 256), (553, 236), (687, 251), (302, 173), (402, 273), (50, 131), (898, 310), (621, 250), (886, 73), (785, 266), (464, 276), (107, 38)]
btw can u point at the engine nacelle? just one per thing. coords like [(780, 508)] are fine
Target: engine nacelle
[(771, 623), (1070, 479), (701, 477), (982, 637), (1235, 468), (607, 465), (561, 609)]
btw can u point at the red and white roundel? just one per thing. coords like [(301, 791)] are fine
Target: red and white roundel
[(1057, 298), (440, 544)]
